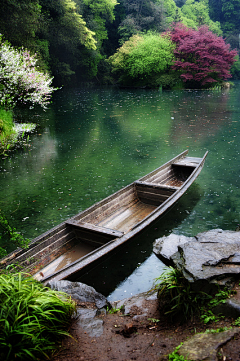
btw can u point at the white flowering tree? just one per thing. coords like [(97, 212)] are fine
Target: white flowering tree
[(20, 80)]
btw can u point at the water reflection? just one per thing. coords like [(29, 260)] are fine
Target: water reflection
[(92, 142)]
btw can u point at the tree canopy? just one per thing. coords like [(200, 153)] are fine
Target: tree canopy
[(141, 16), (192, 13), (142, 57), (74, 37), (202, 58)]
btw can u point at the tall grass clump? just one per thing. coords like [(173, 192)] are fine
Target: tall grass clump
[(32, 318), (176, 296)]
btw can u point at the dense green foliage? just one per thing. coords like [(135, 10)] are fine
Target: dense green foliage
[(32, 317), (74, 37), (198, 57), (179, 300), (192, 14), (143, 59), (141, 16)]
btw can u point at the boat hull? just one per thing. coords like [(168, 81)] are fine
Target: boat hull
[(81, 241)]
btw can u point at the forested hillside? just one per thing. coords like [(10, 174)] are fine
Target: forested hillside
[(74, 38)]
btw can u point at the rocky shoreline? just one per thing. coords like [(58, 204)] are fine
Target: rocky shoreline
[(209, 259)]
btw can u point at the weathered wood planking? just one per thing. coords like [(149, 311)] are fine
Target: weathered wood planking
[(127, 217), (93, 234), (153, 194), (102, 209), (164, 168), (55, 240)]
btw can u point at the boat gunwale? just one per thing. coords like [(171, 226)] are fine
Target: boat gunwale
[(111, 245), (114, 243), (126, 188)]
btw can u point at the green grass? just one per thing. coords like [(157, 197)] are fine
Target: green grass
[(177, 295), (7, 132), (32, 318)]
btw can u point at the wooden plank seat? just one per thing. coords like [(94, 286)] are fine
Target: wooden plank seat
[(187, 162), (152, 193), (158, 186), (97, 229)]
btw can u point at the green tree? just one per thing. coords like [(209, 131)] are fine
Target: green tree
[(197, 13), (231, 15), (96, 13), (68, 37), (20, 20), (141, 15), (192, 14), (215, 10), (172, 11), (143, 59), (228, 13)]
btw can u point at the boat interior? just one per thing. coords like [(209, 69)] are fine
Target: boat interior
[(121, 212), (107, 220)]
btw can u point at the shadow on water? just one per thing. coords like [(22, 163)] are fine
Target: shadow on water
[(106, 276)]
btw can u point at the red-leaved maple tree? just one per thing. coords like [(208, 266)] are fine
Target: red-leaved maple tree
[(202, 57)]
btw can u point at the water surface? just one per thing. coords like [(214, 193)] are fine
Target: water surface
[(92, 142)]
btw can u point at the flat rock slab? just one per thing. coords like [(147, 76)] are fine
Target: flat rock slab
[(204, 346), (80, 291), (165, 247), (210, 256), (218, 235), (202, 260)]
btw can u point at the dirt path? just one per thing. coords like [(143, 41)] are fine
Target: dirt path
[(136, 337)]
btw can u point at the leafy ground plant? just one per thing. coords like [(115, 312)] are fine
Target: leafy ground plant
[(208, 316), (32, 318), (115, 310), (174, 356), (237, 322)]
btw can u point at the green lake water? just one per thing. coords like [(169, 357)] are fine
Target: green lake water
[(92, 142)]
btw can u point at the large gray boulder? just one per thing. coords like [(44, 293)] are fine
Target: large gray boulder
[(80, 291), (212, 257)]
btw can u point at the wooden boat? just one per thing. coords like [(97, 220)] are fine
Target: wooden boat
[(84, 239)]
